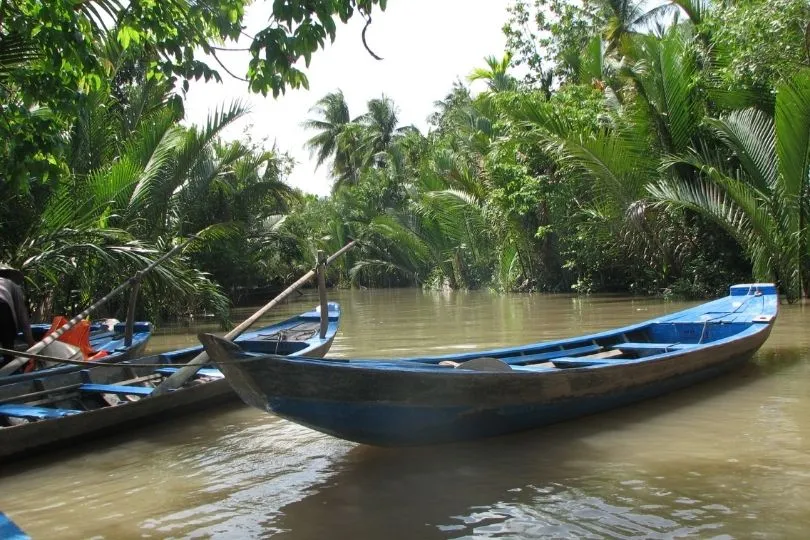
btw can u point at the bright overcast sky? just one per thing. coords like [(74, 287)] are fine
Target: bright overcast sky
[(426, 45)]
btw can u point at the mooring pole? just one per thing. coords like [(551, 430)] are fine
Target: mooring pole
[(322, 292), (133, 300), (182, 375)]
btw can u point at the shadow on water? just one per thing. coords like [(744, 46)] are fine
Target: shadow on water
[(570, 479)]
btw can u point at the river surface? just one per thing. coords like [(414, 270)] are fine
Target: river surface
[(725, 459)]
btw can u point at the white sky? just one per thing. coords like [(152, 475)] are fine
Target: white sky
[(426, 45)]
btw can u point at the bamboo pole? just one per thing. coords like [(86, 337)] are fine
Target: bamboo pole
[(179, 378), (133, 298), (15, 364)]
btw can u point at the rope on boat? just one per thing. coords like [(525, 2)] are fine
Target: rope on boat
[(97, 363), (748, 297)]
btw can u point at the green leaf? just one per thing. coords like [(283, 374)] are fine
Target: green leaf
[(127, 34), (793, 132)]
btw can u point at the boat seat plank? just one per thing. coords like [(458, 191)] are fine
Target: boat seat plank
[(632, 346), (544, 366), (610, 353), (118, 389), (40, 413), (550, 355), (205, 372), (577, 362)]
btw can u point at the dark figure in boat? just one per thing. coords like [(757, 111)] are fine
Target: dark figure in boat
[(13, 310)]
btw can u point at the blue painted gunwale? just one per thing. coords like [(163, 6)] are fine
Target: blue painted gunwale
[(416, 401), (76, 393), (9, 530)]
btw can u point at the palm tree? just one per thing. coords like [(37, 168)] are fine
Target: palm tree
[(660, 114), (333, 119), (762, 196), (380, 123), (114, 220), (664, 77), (139, 180), (629, 17), (380, 131), (442, 231), (495, 74)]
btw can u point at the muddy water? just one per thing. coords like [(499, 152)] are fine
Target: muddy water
[(729, 458)]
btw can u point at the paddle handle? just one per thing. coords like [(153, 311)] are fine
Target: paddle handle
[(133, 299)]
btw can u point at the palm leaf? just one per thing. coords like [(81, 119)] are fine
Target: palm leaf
[(793, 133)]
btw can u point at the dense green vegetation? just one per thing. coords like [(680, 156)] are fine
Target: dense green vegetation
[(653, 149), (657, 149), (99, 175)]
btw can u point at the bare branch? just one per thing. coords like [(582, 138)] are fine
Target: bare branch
[(228, 71), (363, 35)]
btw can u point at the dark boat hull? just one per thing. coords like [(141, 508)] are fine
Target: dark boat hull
[(417, 402), (21, 440), (399, 409)]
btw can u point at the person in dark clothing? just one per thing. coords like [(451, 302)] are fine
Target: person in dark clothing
[(13, 311)]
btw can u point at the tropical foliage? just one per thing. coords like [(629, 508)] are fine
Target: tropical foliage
[(138, 182), (615, 146), (53, 58), (641, 151)]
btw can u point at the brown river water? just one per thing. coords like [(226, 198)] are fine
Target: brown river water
[(725, 459)]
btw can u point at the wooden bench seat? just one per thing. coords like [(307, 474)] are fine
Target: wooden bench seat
[(205, 372), (118, 389), (581, 362), (549, 355), (39, 413), (632, 346)]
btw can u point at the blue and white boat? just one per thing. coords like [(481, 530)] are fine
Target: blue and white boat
[(9, 530), (60, 407), (415, 401), (109, 340)]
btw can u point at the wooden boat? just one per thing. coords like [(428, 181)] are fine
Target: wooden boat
[(437, 399), (56, 408), (9, 530), (109, 339)]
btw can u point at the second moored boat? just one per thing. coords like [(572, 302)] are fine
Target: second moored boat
[(59, 407)]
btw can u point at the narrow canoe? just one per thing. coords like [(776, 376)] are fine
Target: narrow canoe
[(9, 530), (102, 338), (75, 406), (415, 401)]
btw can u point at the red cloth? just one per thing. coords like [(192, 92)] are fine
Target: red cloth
[(78, 336)]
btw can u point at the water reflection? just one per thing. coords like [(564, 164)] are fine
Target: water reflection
[(729, 458), (639, 472)]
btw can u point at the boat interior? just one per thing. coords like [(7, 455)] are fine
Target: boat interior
[(42, 398), (740, 313)]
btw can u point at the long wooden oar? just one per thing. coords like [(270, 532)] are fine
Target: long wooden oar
[(15, 364), (179, 377)]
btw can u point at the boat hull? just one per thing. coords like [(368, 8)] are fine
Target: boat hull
[(405, 403), (21, 440), (24, 439), (406, 423)]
